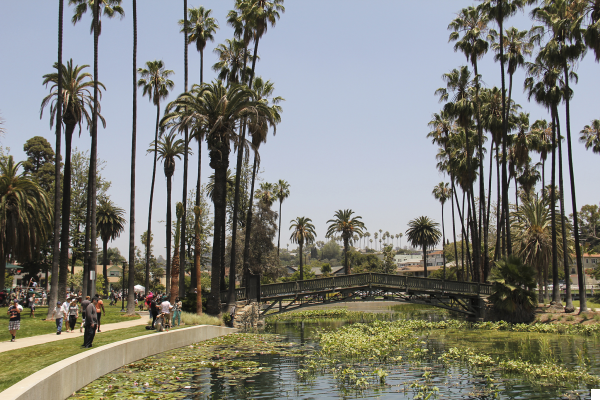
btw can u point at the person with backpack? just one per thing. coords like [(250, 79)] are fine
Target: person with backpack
[(14, 322)]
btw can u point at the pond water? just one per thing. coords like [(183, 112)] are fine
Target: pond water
[(262, 367)]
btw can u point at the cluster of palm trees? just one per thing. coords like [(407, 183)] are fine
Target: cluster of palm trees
[(471, 114), (220, 113), (384, 239)]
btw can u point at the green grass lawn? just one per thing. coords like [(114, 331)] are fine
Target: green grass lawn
[(590, 303), (38, 326)]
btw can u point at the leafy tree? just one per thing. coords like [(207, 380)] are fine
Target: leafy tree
[(389, 266), (423, 232), (330, 250), (40, 162), (513, 296), (326, 269), (589, 221)]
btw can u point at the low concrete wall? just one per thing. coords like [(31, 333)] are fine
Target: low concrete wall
[(60, 380)]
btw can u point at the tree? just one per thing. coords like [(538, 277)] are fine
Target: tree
[(110, 223), (423, 232), (344, 223), (167, 149), (389, 267), (282, 192), (513, 296), (175, 268), (40, 162), (442, 193), (156, 85), (76, 100), (131, 256), (303, 231), (204, 108), (590, 135), (200, 28), (25, 215)]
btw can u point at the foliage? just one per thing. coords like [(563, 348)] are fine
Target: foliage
[(514, 294), (360, 262), (40, 162), (331, 250), (389, 266), (308, 274), (227, 320)]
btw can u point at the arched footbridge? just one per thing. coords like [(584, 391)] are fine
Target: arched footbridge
[(463, 297)]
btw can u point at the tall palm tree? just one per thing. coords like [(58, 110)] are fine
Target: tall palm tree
[(111, 9), (130, 302), (590, 135), (258, 128), (232, 60), (282, 191), (168, 149), (347, 225), (303, 231), (77, 105), (175, 266), (218, 110), (423, 232), (375, 236), (110, 223), (156, 85), (198, 256), (57, 193), (566, 47), (186, 142), (400, 237), (25, 215), (442, 192), (200, 28)]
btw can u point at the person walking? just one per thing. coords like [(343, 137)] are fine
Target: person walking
[(65, 308), (14, 321), (58, 315), (165, 308), (73, 313), (84, 305), (44, 296), (177, 312), (99, 309), (91, 321), (32, 305)]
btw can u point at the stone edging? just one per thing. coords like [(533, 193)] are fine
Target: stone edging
[(60, 380)]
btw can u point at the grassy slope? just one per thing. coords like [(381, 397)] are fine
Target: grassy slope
[(38, 326)]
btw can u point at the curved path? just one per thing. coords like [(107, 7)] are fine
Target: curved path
[(53, 337)]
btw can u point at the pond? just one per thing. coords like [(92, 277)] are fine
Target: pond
[(368, 350)]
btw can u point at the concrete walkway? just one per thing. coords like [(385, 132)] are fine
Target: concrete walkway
[(53, 337)]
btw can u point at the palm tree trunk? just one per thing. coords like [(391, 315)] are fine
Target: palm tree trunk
[(168, 272), (443, 242), (201, 67), (175, 276), (149, 231), (505, 209), (197, 259), (63, 271), (425, 260), (279, 230), (182, 262), (569, 308), (104, 262), (300, 243), (197, 255), (555, 292), (130, 299), (482, 228), (94, 155), (499, 208), (454, 236), (580, 272), (53, 295), (222, 250), (516, 192), (246, 263), (346, 266)]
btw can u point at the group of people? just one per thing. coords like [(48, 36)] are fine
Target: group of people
[(160, 304), (91, 311)]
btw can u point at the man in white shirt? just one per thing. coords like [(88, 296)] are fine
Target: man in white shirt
[(165, 308), (59, 314)]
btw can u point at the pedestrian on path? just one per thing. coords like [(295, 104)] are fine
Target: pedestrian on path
[(73, 313), (32, 305), (165, 308), (99, 309), (91, 321), (177, 312), (65, 309), (58, 314), (14, 322), (84, 305)]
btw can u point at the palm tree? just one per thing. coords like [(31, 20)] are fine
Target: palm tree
[(282, 192), (423, 232), (400, 237), (198, 256), (57, 193), (130, 303), (77, 104), (347, 225), (375, 236), (167, 150), (513, 295), (175, 266), (303, 231), (590, 135), (186, 141), (442, 193), (232, 60), (25, 215), (110, 223), (112, 8), (200, 28), (156, 85), (218, 110), (565, 48)]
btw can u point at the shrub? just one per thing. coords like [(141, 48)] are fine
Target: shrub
[(195, 319)]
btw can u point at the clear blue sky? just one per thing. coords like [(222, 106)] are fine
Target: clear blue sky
[(358, 79)]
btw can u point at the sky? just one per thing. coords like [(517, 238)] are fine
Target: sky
[(358, 79)]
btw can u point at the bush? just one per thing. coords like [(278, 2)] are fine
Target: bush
[(227, 320), (189, 303), (514, 296), (195, 319)]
